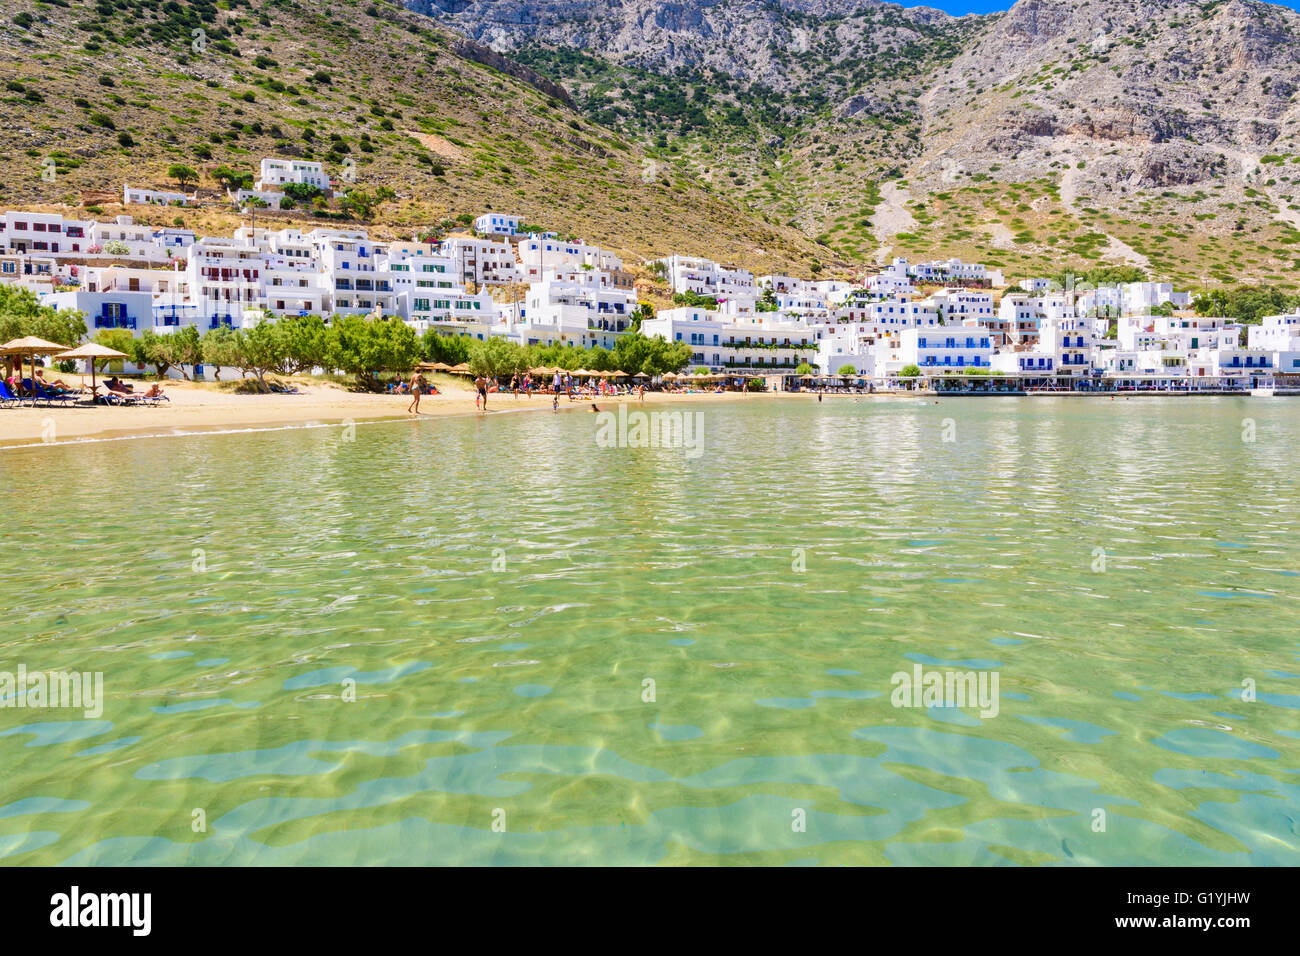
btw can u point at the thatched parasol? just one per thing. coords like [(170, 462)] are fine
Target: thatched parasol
[(31, 346), (92, 351)]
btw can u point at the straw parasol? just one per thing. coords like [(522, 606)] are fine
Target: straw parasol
[(92, 351), (30, 346), (640, 375), (461, 369), (670, 377)]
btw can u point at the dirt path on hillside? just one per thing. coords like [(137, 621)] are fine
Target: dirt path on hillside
[(1000, 235), (1125, 253), (891, 216)]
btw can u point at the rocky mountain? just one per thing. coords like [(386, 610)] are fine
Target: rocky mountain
[(1157, 132), (102, 92)]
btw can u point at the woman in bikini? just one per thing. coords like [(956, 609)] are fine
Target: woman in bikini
[(417, 386)]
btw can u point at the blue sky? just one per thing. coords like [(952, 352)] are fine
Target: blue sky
[(959, 7)]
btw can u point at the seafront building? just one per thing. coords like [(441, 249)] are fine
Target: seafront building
[(538, 288)]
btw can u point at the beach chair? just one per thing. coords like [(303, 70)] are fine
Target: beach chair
[(120, 398), (9, 398), (51, 397)]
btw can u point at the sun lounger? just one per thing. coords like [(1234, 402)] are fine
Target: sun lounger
[(9, 398), (50, 397)]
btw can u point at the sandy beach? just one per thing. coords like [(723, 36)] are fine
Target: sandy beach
[(197, 408)]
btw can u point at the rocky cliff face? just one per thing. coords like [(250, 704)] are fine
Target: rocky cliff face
[(1207, 75), (772, 42), (792, 105)]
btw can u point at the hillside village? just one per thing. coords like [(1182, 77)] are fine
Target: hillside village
[(931, 319)]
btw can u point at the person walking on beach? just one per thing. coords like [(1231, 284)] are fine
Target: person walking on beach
[(417, 387), (481, 384)]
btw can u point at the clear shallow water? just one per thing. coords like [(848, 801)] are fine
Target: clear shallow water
[(500, 588)]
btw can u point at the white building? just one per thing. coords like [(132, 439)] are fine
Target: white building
[(958, 305), (952, 271), (43, 232), (356, 274), (1280, 333), (498, 224), (705, 277), (117, 309), (224, 280), (1141, 297), (124, 238), (540, 254), (722, 343), (37, 272), (892, 280), (482, 260), (134, 195), (268, 197), (580, 307), (936, 349), (276, 173)]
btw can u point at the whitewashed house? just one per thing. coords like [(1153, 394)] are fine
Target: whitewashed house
[(724, 343), (482, 260), (705, 277), (937, 350), (577, 306), (40, 232), (540, 254), (278, 173), (134, 195), (498, 224)]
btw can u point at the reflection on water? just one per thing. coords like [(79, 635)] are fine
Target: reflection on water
[(387, 650)]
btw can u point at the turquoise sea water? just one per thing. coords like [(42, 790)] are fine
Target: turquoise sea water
[(435, 644)]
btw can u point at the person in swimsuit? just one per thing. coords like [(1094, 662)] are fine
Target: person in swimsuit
[(481, 384), (417, 386)]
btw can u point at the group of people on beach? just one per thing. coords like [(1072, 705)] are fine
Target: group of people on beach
[(526, 385), (41, 387)]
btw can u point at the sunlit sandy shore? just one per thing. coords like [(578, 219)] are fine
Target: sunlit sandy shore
[(195, 409)]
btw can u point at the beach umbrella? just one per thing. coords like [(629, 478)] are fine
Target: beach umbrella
[(92, 351), (640, 375), (461, 369), (30, 346)]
